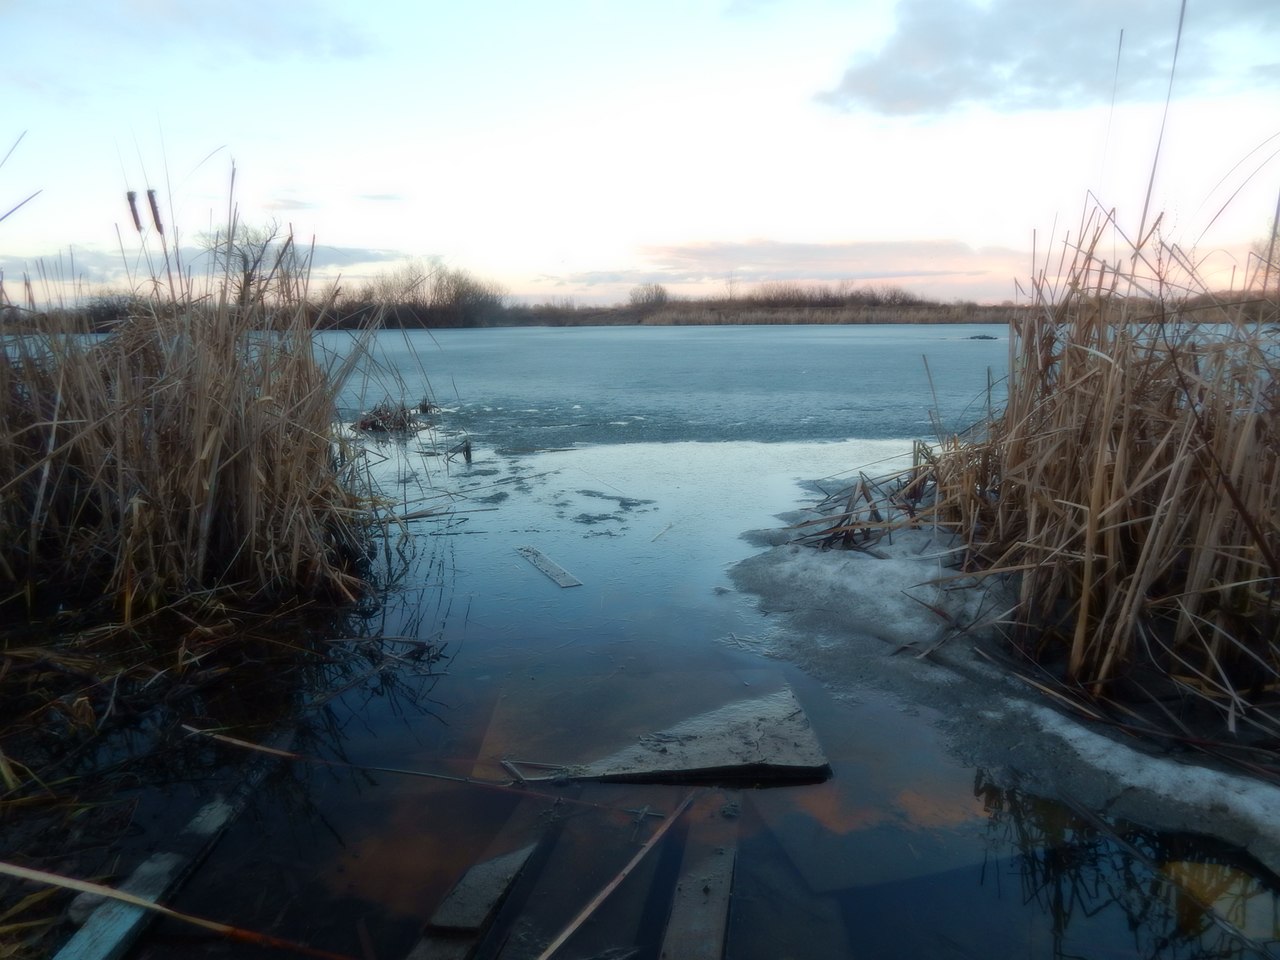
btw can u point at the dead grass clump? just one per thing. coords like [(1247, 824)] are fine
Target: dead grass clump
[(388, 417), (191, 448), (1132, 485)]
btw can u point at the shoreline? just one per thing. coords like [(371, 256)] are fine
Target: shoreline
[(104, 318), (849, 619)]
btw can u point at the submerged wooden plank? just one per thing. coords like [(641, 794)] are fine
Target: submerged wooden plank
[(699, 921), (463, 916), (113, 927), (548, 566), (588, 852), (613, 884), (472, 901)]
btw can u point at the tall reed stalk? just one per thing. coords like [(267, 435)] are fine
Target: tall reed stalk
[(1132, 486), (191, 448)]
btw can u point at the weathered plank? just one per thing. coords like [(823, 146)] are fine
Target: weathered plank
[(588, 854), (699, 920), (114, 926), (471, 902), (549, 566), (464, 914)]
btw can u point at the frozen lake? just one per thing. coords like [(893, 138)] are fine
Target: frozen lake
[(636, 458), (520, 389)]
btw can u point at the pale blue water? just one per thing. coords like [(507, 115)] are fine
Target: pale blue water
[(517, 389)]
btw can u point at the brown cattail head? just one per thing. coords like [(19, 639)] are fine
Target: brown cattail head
[(133, 208), (155, 212)]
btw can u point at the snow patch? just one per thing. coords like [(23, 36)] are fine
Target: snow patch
[(1252, 802)]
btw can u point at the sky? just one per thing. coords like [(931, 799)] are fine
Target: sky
[(573, 149)]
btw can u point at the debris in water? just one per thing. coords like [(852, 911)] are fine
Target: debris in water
[(699, 921), (600, 897), (765, 740), (386, 418), (549, 566), (463, 448), (467, 911)]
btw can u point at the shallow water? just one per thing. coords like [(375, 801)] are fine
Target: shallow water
[(904, 852)]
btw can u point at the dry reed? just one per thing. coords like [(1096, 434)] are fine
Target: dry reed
[(1131, 488), (191, 448), (1128, 493)]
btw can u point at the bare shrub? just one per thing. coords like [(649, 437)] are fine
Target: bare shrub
[(649, 295)]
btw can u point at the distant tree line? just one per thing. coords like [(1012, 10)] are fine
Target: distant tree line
[(256, 267)]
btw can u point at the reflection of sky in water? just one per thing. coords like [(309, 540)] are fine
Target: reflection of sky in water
[(571, 674)]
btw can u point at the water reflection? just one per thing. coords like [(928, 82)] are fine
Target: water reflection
[(330, 848), (477, 656), (1178, 896)]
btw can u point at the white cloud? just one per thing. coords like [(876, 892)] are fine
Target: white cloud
[(87, 272), (940, 269), (1045, 54)]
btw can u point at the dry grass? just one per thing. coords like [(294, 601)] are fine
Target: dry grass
[(192, 448), (1128, 494), (172, 493), (1132, 486)]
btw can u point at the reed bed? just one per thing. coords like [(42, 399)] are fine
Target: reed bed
[(1131, 488), (174, 492), (1128, 495), (190, 449)]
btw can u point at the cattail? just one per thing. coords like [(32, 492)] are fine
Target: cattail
[(133, 208), (155, 212)]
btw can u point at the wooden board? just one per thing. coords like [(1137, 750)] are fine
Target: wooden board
[(472, 900), (591, 847), (461, 919), (548, 566), (464, 916), (113, 928), (699, 921)]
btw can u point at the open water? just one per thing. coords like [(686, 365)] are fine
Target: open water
[(635, 458)]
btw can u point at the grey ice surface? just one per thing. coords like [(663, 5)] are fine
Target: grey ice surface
[(768, 738)]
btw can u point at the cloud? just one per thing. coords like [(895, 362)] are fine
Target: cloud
[(67, 269), (743, 8), (327, 257), (150, 28), (82, 269), (1267, 74), (761, 260), (941, 268), (1045, 54), (285, 203), (262, 30)]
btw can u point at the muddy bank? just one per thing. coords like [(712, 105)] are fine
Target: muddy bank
[(864, 626)]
